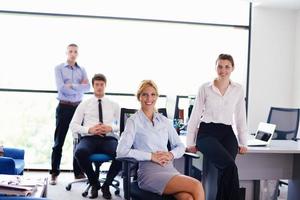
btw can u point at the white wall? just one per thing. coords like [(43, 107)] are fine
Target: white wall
[(272, 62), (296, 87)]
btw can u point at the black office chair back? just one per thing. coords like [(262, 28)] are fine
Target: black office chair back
[(125, 114), (163, 111), (190, 110), (286, 121)]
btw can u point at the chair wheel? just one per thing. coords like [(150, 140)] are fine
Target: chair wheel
[(117, 192), (117, 184), (84, 194), (68, 187)]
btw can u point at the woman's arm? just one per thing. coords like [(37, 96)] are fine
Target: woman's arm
[(240, 119), (177, 147), (195, 118), (124, 148)]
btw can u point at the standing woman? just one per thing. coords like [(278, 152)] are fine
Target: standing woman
[(145, 138), (218, 105)]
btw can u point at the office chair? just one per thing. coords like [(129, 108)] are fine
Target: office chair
[(286, 121), (12, 161), (163, 111), (190, 109), (287, 124), (130, 185), (127, 112), (97, 159), (130, 167)]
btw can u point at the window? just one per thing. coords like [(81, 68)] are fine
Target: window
[(29, 122), (178, 56)]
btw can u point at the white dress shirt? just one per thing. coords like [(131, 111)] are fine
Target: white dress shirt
[(141, 137), (87, 116), (211, 106)]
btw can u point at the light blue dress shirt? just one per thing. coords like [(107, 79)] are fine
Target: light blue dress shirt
[(141, 137), (65, 74)]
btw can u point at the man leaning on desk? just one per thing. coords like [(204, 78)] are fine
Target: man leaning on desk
[(71, 83)]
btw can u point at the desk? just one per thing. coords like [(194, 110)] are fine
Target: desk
[(281, 160), (41, 183)]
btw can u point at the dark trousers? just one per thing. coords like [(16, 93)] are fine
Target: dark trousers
[(64, 115), (89, 145), (219, 145)]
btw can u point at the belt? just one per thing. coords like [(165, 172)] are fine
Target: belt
[(69, 103)]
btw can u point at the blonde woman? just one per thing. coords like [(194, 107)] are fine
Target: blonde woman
[(145, 138)]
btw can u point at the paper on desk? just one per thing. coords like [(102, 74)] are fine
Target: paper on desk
[(12, 185)]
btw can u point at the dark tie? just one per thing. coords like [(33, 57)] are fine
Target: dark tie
[(100, 111)]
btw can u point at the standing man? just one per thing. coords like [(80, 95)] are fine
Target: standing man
[(71, 83), (96, 120)]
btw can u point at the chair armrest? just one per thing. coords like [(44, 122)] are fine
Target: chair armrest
[(192, 155), (281, 182), (188, 158), (127, 159), (7, 165), (14, 153), (126, 173)]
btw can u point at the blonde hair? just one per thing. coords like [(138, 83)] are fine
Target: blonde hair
[(143, 85)]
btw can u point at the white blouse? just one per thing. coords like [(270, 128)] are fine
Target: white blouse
[(211, 106)]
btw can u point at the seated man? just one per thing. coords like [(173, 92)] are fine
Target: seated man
[(96, 120)]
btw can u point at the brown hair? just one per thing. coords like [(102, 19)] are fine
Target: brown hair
[(73, 45), (144, 84), (225, 57), (98, 77)]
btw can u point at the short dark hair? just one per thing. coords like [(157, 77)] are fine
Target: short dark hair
[(226, 57), (73, 45), (98, 77)]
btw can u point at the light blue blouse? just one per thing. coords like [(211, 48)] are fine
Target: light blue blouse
[(141, 137)]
